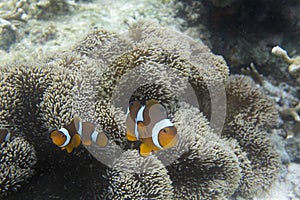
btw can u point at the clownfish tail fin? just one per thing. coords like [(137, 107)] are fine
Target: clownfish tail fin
[(102, 139)]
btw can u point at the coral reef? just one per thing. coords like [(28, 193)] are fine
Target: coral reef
[(285, 134), (8, 35), (239, 28), (223, 149), (23, 10), (18, 160), (289, 111), (244, 33), (15, 13), (294, 63), (37, 29), (293, 112)]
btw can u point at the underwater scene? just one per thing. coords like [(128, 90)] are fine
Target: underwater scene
[(150, 99)]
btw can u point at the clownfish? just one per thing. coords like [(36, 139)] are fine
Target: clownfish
[(6, 135), (150, 125), (71, 135)]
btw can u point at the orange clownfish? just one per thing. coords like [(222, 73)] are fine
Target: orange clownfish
[(70, 136), (150, 125), (6, 135)]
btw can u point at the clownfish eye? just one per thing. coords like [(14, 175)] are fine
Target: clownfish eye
[(164, 131)]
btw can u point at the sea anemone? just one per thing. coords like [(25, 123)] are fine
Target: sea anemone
[(221, 120)]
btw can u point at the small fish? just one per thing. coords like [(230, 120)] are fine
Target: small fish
[(5, 135), (70, 136), (150, 125)]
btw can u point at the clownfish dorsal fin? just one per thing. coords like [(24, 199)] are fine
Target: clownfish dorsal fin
[(145, 150), (151, 102), (153, 113), (134, 108), (87, 129), (157, 112), (72, 127)]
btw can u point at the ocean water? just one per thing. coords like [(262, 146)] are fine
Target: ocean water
[(194, 57)]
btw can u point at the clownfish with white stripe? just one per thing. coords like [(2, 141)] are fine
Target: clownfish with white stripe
[(6, 135), (150, 125), (71, 135)]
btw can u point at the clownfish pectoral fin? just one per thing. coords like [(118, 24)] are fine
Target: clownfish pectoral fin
[(75, 141), (130, 137), (145, 150), (69, 148)]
